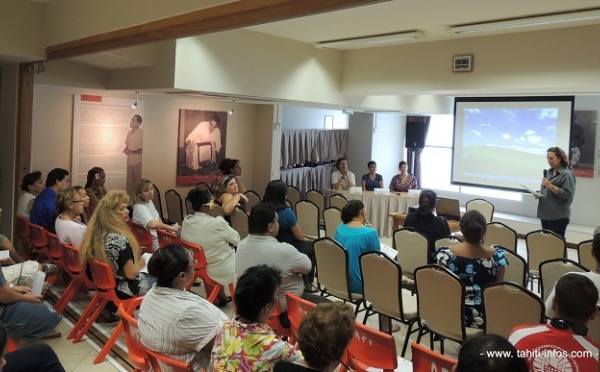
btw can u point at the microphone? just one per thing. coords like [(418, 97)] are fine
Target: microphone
[(545, 173)]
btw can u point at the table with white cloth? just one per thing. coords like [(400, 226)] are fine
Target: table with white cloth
[(307, 178), (379, 207)]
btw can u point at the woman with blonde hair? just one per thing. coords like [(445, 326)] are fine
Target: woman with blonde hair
[(145, 213), (69, 229), (108, 239)]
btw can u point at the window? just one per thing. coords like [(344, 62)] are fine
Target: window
[(436, 162)]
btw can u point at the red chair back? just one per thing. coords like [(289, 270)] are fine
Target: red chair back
[(167, 238), (143, 236), (104, 280), (39, 239), (135, 348), (55, 249), (200, 269), (162, 363), (74, 266), (370, 348), (297, 308), (10, 345), (425, 360)]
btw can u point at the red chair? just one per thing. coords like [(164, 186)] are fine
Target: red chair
[(10, 345), (79, 279), (104, 281), (167, 238), (161, 363), (56, 254), (370, 349), (135, 348), (39, 240), (24, 233), (143, 236), (212, 288), (426, 360), (297, 308)]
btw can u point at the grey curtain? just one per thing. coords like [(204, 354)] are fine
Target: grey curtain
[(414, 153), (298, 146)]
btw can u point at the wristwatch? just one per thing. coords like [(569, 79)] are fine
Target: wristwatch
[(11, 285)]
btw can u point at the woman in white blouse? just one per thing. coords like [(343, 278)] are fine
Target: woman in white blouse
[(32, 185), (68, 227), (145, 213), (215, 236)]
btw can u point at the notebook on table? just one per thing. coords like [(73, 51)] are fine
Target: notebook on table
[(449, 208)]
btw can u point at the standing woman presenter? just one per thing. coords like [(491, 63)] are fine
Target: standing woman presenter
[(558, 189)]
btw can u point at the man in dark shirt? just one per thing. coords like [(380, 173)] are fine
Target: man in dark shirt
[(44, 207)]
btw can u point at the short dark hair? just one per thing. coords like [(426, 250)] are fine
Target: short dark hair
[(473, 355), (225, 166), (216, 118), (256, 288), (351, 210), (275, 194), (199, 198), (261, 215), (401, 164), (473, 227), (325, 332), (56, 174), (167, 262), (138, 118), (576, 297), (371, 163), (337, 163), (30, 179)]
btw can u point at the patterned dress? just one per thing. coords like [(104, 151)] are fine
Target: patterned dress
[(475, 273), (118, 252), (397, 185), (249, 347)]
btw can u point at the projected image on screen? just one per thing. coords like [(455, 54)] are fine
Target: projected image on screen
[(503, 144)]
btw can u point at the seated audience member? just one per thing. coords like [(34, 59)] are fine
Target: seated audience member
[(228, 195), (173, 321), (85, 199), (261, 247), (372, 180), (32, 185), (145, 213), (247, 343), (342, 178), (19, 276), (475, 264), (358, 237), (24, 315), (562, 345), (404, 181), (234, 167), (108, 239), (215, 236), (39, 357), (44, 207), (323, 336), (593, 276), (475, 355), (68, 228), (289, 229), (424, 221), (94, 185)]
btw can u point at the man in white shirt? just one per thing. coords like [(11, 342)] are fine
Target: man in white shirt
[(261, 248), (134, 141), (342, 178), (207, 131)]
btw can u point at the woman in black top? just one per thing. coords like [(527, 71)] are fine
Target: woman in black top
[(424, 221)]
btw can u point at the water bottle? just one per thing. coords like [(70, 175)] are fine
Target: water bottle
[(38, 282)]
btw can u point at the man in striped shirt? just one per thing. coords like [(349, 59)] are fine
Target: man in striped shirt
[(562, 345)]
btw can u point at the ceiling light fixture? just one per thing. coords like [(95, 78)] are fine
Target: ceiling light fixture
[(581, 17), (230, 112), (372, 41), (137, 98)]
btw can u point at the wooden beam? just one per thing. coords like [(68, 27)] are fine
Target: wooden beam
[(230, 16)]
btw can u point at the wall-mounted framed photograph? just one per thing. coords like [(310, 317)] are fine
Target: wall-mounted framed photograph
[(462, 63)]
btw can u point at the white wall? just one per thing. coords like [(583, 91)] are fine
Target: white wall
[(388, 144), (360, 143), (297, 117)]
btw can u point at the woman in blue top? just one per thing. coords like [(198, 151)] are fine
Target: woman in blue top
[(289, 229), (372, 180), (357, 237), (475, 264)]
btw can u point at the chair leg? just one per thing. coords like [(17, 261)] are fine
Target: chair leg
[(109, 344), (366, 315), (66, 297), (86, 314), (421, 330), (442, 345), (90, 321), (407, 337), (215, 292), (431, 341)]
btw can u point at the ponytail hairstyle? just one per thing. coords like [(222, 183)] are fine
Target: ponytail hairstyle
[(93, 175), (167, 263), (473, 227), (352, 210), (427, 202)]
